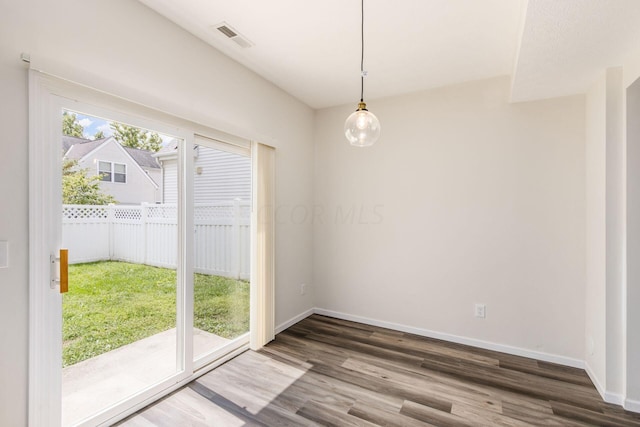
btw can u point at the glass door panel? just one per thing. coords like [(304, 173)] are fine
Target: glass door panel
[(221, 209), (119, 222)]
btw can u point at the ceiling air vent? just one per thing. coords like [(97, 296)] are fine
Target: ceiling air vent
[(233, 35)]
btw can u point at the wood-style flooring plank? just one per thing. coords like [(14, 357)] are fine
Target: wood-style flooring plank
[(385, 418), (592, 417), (517, 381), (441, 396), (331, 372), (328, 416), (434, 416), (541, 370), (375, 384), (537, 417)]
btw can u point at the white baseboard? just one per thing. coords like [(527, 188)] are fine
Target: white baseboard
[(613, 398), (517, 351), (632, 405), (607, 396), (594, 379), (281, 327)]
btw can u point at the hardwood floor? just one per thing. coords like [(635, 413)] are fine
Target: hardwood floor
[(325, 371)]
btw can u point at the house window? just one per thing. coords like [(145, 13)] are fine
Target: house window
[(112, 172), (119, 172), (104, 170)]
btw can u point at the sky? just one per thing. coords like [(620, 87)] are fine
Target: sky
[(92, 125)]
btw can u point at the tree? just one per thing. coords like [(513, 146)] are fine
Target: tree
[(130, 136), (70, 125), (80, 189), (98, 135)]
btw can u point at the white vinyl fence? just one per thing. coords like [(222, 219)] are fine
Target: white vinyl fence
[(148, 234)]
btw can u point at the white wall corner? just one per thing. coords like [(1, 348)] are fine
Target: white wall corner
[(594, 379), (607, 396), (516, 60)]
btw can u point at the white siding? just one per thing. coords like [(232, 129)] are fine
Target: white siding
[(156, 175), (221, 176), (218, 176), (170, 181)]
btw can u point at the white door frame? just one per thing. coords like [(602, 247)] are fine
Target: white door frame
[(47, 97)]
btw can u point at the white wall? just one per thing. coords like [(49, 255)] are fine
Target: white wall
[(464, 199), (163, 67), (613, 251), (615, 229), (633, 246), (631, 78), (14, 218), (595, 290), (605, 178), (631, 68)]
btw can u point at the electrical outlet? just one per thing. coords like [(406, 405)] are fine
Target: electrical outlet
[(303, 289), (481, 311)]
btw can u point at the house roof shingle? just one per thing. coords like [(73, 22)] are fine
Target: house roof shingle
[(143, 157), (82, 147)]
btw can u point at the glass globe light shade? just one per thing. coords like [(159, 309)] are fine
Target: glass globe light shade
[(362, 127)]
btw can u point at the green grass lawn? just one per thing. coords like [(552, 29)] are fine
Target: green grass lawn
[(111, 304)]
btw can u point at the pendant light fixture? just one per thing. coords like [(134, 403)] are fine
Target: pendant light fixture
[(362, 127)]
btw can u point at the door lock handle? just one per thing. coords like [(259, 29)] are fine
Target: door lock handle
[(63, 276)]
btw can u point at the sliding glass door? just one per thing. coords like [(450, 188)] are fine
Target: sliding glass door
[(120, 312), (221, 218), (140, 254)]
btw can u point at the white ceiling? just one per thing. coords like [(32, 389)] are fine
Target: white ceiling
[(567, 44), (311, 49)]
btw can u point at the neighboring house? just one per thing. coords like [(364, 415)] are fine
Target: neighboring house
[(219, 175), (130, 175)]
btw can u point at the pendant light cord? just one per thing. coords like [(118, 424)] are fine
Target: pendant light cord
[(362, 53)]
